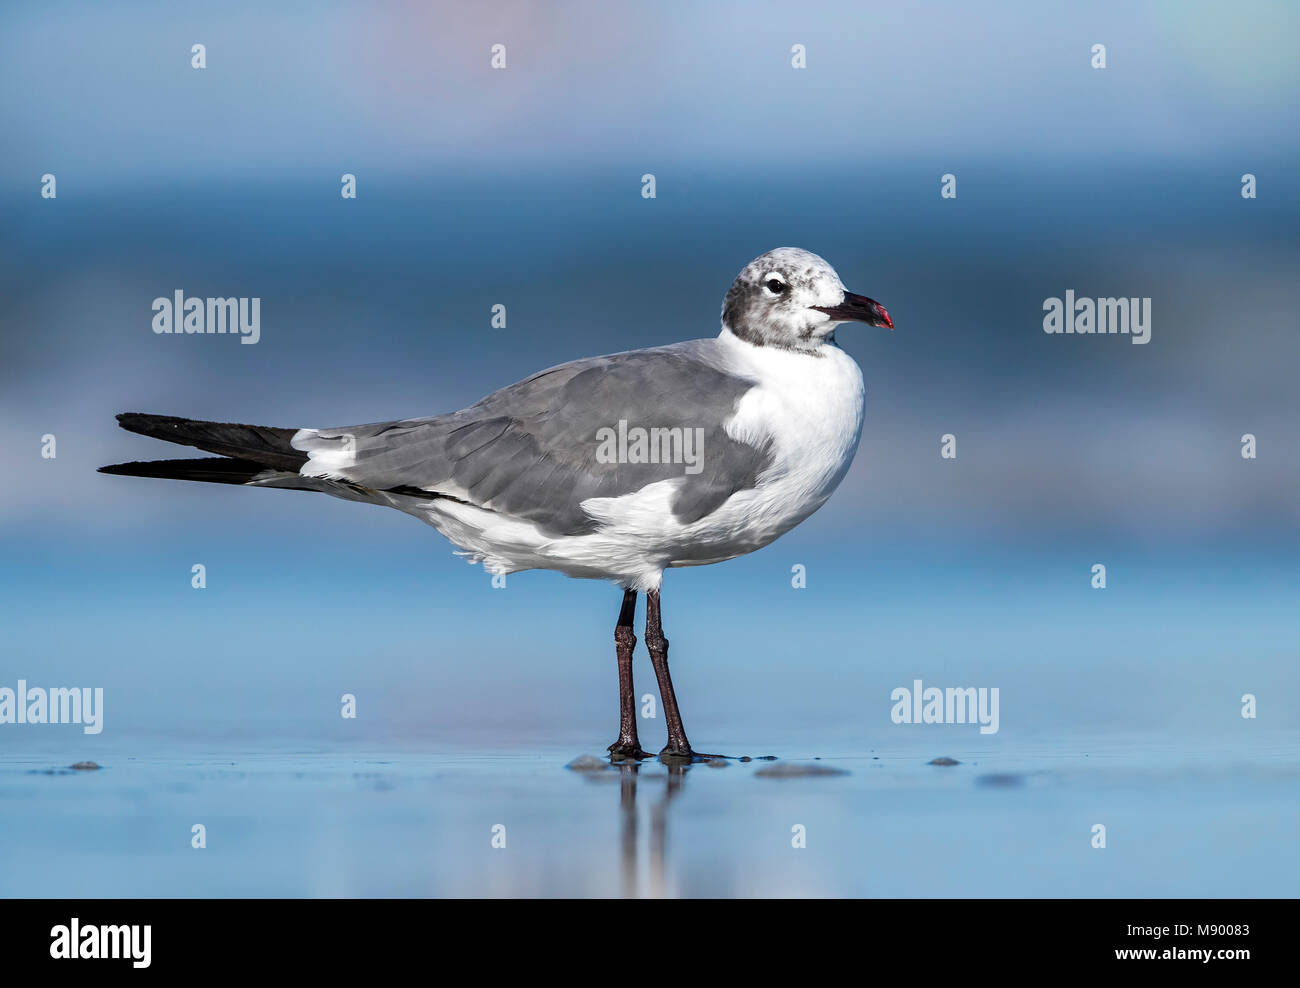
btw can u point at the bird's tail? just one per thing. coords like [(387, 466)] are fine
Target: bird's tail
[(244, 452)]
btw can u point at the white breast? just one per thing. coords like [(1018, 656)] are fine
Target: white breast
[(810, 408)]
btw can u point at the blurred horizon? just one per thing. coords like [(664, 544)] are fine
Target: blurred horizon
[(522, 187)]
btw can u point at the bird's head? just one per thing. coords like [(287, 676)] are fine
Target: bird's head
[(791, 298)]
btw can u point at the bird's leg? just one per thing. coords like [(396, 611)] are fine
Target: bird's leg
[(627, 745), (658, 646)]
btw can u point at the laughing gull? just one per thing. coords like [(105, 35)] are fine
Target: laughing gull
[(611, 468)]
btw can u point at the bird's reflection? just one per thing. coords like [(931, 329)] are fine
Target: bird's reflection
[(669, 786)]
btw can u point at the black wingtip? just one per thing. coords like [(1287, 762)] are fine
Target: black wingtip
[(211, 469), (270, 446), (125, 469), (136, 468), (148, 424)]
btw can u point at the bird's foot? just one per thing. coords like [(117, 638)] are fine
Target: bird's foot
[(677, 753), (623, 750)]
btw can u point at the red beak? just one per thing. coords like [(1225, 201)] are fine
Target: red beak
[(858, 308)]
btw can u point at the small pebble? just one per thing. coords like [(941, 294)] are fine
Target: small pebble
[(716, 762), (85, 766), (944, 760), (588, 763)]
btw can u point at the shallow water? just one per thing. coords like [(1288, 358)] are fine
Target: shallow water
[(1203, 818)]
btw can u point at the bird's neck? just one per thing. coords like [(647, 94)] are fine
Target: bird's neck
[(754, 339)]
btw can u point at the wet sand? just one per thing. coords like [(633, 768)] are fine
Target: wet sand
[(1182, 818)]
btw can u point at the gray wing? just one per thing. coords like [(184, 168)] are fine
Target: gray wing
[(530, 449)]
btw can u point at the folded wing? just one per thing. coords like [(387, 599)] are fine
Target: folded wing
[(534, 450)]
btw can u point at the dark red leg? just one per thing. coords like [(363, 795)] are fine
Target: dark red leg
[(655, 641), (627, 745)]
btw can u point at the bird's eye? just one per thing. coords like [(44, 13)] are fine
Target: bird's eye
[(776, 286)]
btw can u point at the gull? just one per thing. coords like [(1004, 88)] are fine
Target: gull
[(612, 468)]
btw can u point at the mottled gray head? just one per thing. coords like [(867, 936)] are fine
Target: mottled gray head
[(791, 298)]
